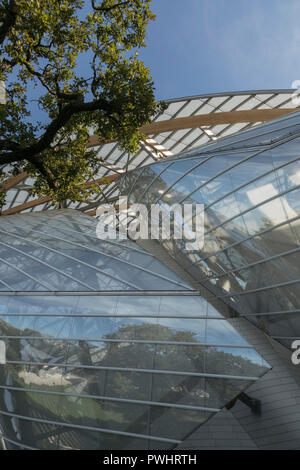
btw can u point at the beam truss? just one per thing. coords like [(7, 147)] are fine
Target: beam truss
[(156, 150)]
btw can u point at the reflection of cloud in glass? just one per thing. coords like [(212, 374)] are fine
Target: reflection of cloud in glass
[(273, 210)]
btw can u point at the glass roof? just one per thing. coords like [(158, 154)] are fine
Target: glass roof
[(249, 185), (163, 144), (60, 251)]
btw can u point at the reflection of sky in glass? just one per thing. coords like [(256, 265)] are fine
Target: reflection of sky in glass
[(117, 317), (36, 256), (109, 305)]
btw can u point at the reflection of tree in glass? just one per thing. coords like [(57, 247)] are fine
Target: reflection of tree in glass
[(164, 388)]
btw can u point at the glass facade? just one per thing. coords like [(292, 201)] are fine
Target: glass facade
[(249, 184), (60, 251), (162, 144), (105, 345)]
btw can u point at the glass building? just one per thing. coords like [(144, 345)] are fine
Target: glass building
[(105, 346), (116, 344), (249, 187)]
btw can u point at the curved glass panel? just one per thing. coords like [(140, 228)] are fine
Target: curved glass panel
[(61, 252), (96, 366), (250, 187)]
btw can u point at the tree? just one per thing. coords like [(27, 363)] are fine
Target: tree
[(45, 48)]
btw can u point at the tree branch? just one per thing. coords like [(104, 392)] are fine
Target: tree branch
[(106, 9), (58, 123), (8, 145), (42, 168), (9, 20)]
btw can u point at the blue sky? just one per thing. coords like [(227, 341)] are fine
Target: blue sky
[(210, 46), (206, 46)]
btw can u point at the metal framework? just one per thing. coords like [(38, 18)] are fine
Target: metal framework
[(235, 252), (185, 124), (179, 353)]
